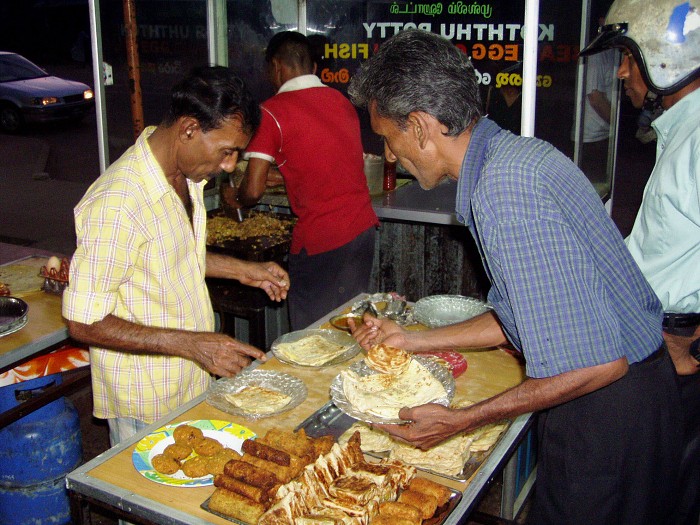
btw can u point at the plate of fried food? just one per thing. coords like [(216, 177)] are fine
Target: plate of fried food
[(191, 453), (255, 394), (375, 389), (316, 348)]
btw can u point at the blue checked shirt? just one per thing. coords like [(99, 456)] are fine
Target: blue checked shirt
[(567, 291)]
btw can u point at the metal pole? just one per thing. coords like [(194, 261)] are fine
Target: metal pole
[(100, 111), (531, 26), (132, 57), (217, 32)]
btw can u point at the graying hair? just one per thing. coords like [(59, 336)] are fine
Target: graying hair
[(419, 71)]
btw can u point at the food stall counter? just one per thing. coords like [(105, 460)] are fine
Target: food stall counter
[(111, 479)]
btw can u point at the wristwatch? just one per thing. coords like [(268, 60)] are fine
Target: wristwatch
[(695, 350)]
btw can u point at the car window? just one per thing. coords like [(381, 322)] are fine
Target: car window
[(15, 67)]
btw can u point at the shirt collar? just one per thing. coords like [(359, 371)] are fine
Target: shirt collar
[(472, 164), (675, 114), (301, 82)]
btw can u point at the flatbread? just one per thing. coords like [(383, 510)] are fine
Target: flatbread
[(383, 395), (21, 279), (258, 400), (313, 350)]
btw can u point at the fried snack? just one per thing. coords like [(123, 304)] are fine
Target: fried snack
[(322, 445), (257, 494), (195, 467), (425, 503), (207, 446), (390, 520), (425, 486), (263, 451), (231, 504), (187, 435), (165, 464), (250, 474), (296, 443), (177, 451), (217, 462), (282, 473), (400, 511)]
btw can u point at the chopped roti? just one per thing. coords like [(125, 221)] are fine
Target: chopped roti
[(258, 400), (383, 395), (313, 350), (20, 278)]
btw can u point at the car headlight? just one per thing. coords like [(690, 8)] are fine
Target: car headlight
[(46, 101), (88, 94)]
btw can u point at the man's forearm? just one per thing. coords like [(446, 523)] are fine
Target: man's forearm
[(119, 334), (223, 266), (482, 331)]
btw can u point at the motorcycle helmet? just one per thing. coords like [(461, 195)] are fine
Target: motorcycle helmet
[(662, 35)]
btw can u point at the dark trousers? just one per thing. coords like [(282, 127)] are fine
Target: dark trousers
[(689, 506), (611, 457), (319, 283)]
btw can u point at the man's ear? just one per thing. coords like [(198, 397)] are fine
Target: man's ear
[(421, 125), (187, 127)]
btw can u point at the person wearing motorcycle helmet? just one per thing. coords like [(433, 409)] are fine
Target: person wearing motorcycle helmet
[(660, 66)]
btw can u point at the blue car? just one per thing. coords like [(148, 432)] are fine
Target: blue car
[(28, 94)]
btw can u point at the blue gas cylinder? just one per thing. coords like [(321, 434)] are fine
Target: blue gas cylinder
[(36, 452)]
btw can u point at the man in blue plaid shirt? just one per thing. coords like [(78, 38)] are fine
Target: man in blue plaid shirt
[(565, 292)]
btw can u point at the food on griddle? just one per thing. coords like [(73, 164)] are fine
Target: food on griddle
[(221, 229), (258, 400), (187, 434), (207, 446), (4, 290), (165, 464), (195, 467), (178, 451)]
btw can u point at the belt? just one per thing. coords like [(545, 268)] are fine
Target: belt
[(681, 320)]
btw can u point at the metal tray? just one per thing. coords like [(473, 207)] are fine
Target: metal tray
[(438, 518), (329, 419), (13, 315)]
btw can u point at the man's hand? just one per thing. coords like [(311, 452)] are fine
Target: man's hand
[(678, 348), (428, 425), (219, 353), (269, 276), (373, 331), (274, 177)]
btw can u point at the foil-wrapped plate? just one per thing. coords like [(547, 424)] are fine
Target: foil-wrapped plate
[(340, 400), (442, 310), (13, 315), (348, 348), (277, 381)]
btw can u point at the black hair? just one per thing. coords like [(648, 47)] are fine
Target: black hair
[(292, 48), (212, 94)]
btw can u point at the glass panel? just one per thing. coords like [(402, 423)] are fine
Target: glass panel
[(172, 38)]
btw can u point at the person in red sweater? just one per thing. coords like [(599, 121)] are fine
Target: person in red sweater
[(312, 133)]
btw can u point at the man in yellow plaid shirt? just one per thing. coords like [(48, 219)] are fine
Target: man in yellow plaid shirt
[(137, 292)]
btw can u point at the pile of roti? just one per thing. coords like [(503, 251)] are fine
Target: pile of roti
[(21, 278), (401, 381)]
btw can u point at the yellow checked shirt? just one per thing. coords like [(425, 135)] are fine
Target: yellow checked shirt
[(140, 259)]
